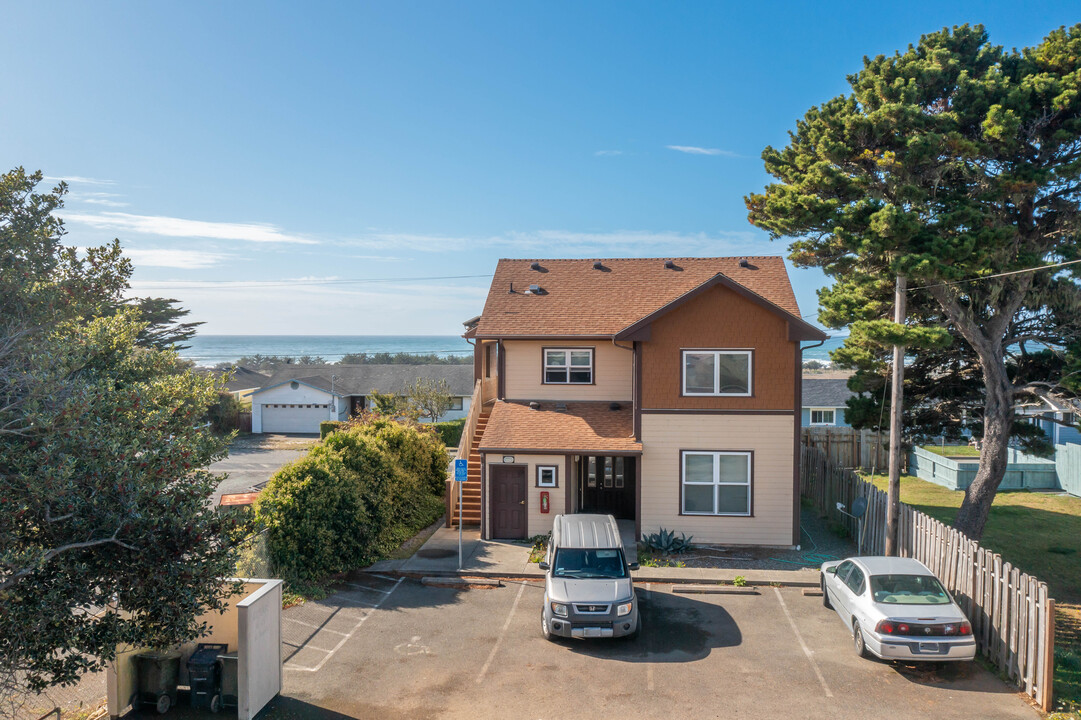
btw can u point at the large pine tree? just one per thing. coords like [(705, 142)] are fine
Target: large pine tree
[(952, 161)]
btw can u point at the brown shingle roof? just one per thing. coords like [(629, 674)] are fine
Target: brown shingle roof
[(576, 299), (584, 427)]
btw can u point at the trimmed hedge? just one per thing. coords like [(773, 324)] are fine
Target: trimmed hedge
[(451, 431), (328, 426), (361, 493)]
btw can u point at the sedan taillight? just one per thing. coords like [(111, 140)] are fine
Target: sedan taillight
[(894, 627)]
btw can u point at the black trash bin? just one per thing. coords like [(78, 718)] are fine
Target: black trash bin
[(204, 676), (158, 674)]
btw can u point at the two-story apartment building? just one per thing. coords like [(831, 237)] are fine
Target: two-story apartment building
[(666, 392)]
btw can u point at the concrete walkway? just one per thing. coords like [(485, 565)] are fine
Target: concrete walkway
[(502, 558)]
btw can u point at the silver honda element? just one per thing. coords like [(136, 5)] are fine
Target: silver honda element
[(587, 584)]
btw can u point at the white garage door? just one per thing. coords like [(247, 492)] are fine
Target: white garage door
[(282, 418)]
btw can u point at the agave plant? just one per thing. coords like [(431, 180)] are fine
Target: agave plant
[(666, 541)]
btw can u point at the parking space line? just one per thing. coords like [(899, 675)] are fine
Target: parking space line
[(305, 645), (649, 665), (345, 638), (365, 603), (365, 587), (499, 640), (313, 627), (802, 644)]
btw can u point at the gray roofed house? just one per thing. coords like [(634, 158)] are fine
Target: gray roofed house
[(296, 398), (824, 401)]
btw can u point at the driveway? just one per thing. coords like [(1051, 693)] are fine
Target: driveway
[(254, 458), (393, 648)]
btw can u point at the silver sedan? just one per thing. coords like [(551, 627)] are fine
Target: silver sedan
[(896, 609)]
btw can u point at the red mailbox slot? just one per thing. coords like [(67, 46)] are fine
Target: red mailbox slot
[(544, 501)]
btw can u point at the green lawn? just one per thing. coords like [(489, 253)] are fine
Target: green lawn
[(953, 450), (1039, 533)]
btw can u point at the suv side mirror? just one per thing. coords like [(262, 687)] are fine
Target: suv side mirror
[(544, 566), (633, 566)]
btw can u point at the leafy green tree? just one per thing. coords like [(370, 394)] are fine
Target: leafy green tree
[(951, 164), (105, 533), (404, 358), (431, 397)]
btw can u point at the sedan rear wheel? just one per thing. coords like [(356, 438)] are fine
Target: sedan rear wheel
[(825, 595), (857, 638)]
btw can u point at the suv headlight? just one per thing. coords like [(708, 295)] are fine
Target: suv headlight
[(559, 609), (624, 609)]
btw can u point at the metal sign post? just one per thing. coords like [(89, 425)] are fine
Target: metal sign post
[(460, 473)]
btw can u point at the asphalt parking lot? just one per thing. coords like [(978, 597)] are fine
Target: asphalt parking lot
[(385, 647)]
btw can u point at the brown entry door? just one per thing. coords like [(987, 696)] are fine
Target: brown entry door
[(508, 501)]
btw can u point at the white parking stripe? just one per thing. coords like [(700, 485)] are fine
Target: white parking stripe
[(499, 640), (345, 638), (304, 646), (365, 587), (806, 650), (313, 627), (365, 603)]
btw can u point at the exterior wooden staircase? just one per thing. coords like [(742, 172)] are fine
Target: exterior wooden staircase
[(471, 487)]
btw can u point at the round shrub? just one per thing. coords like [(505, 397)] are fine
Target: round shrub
[(315, 516)]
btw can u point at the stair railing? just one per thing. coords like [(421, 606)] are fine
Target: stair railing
[(468, 431)]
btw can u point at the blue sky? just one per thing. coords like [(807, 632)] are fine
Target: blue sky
[(254, 157)]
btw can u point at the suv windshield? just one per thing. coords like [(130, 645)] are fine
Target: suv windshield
[(575, 563), (908, 590)]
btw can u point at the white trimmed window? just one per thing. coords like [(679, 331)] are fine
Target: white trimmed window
[(823, 416), (456, 403), (547, 476), (716, 483), (570, 366), (717, 372)]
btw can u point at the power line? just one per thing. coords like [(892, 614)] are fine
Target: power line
[(996, 275), (241, 284)]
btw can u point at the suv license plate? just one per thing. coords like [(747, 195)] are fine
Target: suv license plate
[(930, 647)]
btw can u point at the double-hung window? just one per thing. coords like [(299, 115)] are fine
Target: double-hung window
[(716, 483), (570, 366), (823, 416), (717, 372)]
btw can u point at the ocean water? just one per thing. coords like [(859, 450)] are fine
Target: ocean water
[(209, 350)]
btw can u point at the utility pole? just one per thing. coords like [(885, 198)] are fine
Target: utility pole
[(893, 494)]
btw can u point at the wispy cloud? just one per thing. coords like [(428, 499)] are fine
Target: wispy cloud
[(694, 150), (181, 227), (76, 179), (171, 258), (604, 153), (108, 199)]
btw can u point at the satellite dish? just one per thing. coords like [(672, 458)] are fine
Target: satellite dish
[(859, 507)]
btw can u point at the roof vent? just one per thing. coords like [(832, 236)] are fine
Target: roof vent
[(743, 262), (534, 405), (535, 266), (615, 406), (561, 407), (511, 291), (598, 265), (535, 289), (669, 265)]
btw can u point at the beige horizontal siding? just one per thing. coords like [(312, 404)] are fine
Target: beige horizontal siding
[(769, 436), (540, 523), (612, 372)]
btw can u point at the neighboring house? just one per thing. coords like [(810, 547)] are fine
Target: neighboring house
[(1044, 413), (664, 392), (824, 402), (296, 398), (244, 380)]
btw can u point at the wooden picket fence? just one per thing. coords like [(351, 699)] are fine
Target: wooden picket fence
[(1012, 615), (849, 447)]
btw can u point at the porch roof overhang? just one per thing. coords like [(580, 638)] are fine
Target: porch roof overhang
[(582, 428)]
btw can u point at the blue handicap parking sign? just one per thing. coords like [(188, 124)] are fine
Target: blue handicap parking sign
[(460, 470)]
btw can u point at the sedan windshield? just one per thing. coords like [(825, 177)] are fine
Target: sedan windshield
[(908, 590), (575, 563)]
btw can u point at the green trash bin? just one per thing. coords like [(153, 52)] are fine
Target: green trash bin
[(158, 674)]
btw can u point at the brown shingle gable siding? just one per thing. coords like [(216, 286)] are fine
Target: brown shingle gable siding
[(577, 300)]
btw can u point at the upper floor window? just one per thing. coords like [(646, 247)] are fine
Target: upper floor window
[(568, 365), (823, 416), (717, 372)]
